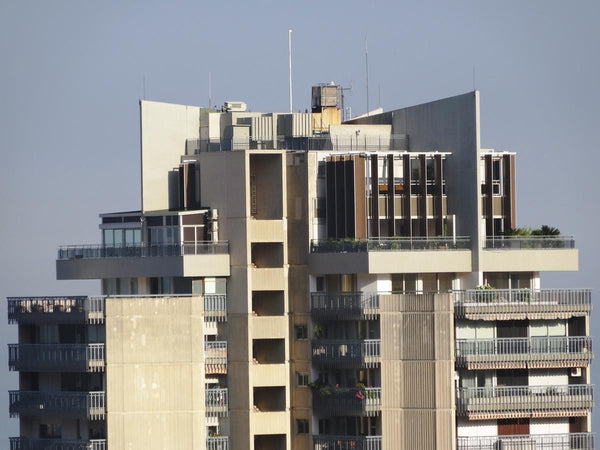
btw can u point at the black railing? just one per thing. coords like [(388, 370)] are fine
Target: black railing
[(344, 305), (24, 443), (55, 309), (346, 353), (325, 442), (56, 357), (334, 401), (67, 252), (75, 404), (389, 244)]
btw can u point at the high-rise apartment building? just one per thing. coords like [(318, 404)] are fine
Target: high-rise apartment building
[(294, 282)]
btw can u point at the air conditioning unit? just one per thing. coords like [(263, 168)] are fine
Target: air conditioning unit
[(575, 371), (235, 106)]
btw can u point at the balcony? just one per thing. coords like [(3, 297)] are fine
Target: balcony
[(215, 357), (73, 404), (523, 353), (217, 443), (215, 307), (333, 401), (518, 304), (24, 443), (525, 401), (216, 402), (187, 259), (324, 442), (346, 354), (398, 254), (56, 357), (528, 254), (566, 441), (51, 310), (344, 305)]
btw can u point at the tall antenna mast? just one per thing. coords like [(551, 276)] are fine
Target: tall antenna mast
[(367, 69), (290, 64), (209, 95)]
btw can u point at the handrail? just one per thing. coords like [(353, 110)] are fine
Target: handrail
[(531, 296), (95, 251), (529, 441), (389, 244), (529, 242), (525, 345)]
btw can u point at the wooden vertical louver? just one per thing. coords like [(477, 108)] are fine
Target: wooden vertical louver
[(407, 194), (360, 197), (423, 196), (438, 201), (489, 192), (374, 197), (390, 196), (508, 162)]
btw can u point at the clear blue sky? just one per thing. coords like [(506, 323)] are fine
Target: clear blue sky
[(72, 72)]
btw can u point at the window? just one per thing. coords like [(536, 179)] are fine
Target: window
[(301, 379), (301, 426), (300, 332)]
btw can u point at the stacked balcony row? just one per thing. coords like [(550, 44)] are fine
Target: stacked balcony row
[(23, 443), (90, 310)]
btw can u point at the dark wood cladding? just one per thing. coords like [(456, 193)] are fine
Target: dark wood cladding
[(407, 194), (423, 196), (374, 196), (390, 196), (438, 200), (340, 200), (360, 196), (187, 187), (331, 199), (489, 193), (349, 226), (508, 162)]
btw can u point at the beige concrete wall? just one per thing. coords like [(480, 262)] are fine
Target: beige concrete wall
[(155, 373), (529, 260), (417, 368), (421, 261), (164, 129)]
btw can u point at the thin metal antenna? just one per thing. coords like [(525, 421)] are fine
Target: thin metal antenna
[(209, 93), (367, 69), (290, 64)]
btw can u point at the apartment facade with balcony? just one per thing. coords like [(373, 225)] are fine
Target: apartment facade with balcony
[(294, 282)]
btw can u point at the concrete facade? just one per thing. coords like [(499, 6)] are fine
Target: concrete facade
[(293, 282)]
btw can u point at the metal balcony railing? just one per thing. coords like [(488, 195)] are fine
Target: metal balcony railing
[(217, 402), (525, 401), (529, 242), (346, 353), (40, 403), (56, 357), (324, 442), (217, 443), (215, 357), (344, 305), (55, 310), (23, 443), (270, 142), (566, 441), (494, 304), (67, 252), (389, 244), (215, 307), (334, 401), (527, 352)]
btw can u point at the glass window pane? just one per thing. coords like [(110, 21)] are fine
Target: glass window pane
[(108, 238), (137, 237), (128, 237), (118, 238)]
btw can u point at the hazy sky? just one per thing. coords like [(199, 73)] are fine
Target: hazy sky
[(72, 72)]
